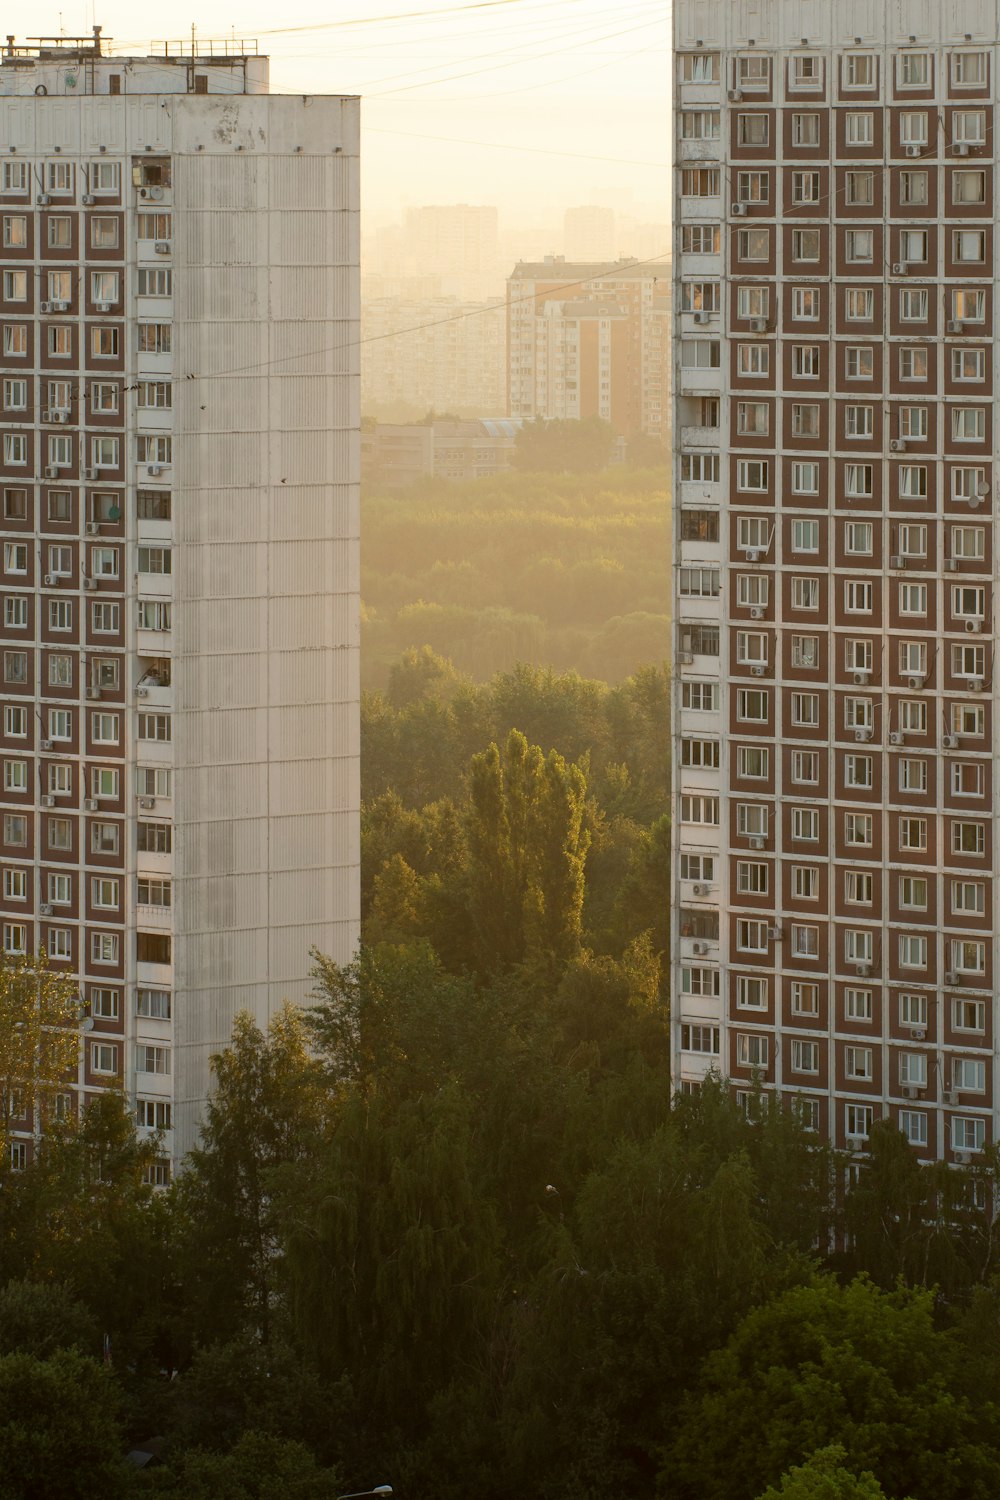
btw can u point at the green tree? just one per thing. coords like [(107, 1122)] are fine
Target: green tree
[(60, 1434), (827, 1364), (40, 1011), (527, 852), (266, 1112), (38, 1318), (824, 1477), (261, 1466)]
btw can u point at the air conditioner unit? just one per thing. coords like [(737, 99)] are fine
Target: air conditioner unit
[(701, 316), (45, 744), (860, 679), (45, 909), (774, 934), (685, 658), (90, 804), (93, 528), (51, 472), (756, 612), (48, 800), (949, 741), (44, 307), (93, 692), (950, 564), (699, 947), (154, 471), (43, 200), (910, 1091), (59, 416), (918, 1034), (758, 325), (161, 247), (90, 473), (897, 737), (899, 268), (146, 803), (700, 890), (973, 625), (757, 841), (739, 210), (50, 580), (864, 970), (962, 148), (757, 670), (915, 682), (862, 736), (982, 488), (735, 96), (953, 325), (753, 554), (156, 192), (950, 977), (46, 414), (914, 150), (976, 684), (897, 445), (102, 307), (89, 583), (60, 306), (142, 691), (962, 1158), (897, 560)]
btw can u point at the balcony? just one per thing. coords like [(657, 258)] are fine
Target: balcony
[(701, 437)]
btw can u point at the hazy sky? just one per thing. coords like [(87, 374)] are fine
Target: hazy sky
[(577, 87)]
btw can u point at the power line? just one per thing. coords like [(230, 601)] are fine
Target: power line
[(476, 312), (630, 161)]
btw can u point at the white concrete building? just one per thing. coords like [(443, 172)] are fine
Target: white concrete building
[(179, 476), (836, 907)]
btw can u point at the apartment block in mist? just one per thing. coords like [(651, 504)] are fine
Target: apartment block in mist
[(180, 548), (590, 340), (422, 354), (589, 233), (835, 896)]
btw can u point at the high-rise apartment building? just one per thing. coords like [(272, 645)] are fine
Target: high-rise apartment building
[(422, 354), (590, 340), (836, 907), (178, 483), (589, 233)]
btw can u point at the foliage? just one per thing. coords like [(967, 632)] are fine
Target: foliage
[(557, 569), (260, 1467), (37, 1318), (39, 1044), (567, 446), (824, 1477), (60, 1435)]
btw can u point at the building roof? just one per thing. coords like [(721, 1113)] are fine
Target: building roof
[(555, 266)]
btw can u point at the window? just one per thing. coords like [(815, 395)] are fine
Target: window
[(968, 424), (859, 304), (699, 981), (60, 506), (912, 775), (103, 1057), (912, 951), (968, 957), (154, 448), (753, 361), (805, 710), (858, 1063), (913, 1069), (700, 753), (753, 71), (969, 245), (15, 721), (751, 819), (805, 479), (968, 365), (805, 130), (752, 474), (858, 830), (858, 596), (104, 838), (693, 583), (968, 1015), (859, 422), (858, 1004), (858, 538), (805, 187), (700, 354), (912, 363), (968, 483), (859, 245), (754, 244), (104, 892), (155, 281), (860, 128), (858, 771), (805, 824), (967, 1133), (700, 239), (859, 362), (700, 696), (752, 1051), (154, 781), (805, 360), (859, 188), (805, 303), (751, 588), (806, 245), (805, 593), (913, 481), (968, 542), (694, 809), (968, 187), (696, 468), (105, 618), (913, 423), (805, 420), (859, 71), (154, 338), (804, 940), (805, 999), (805, 536), (703, 1039), (805, 882), (104, 728), (913, 304), (154, 226), (968, 896), (15, 339), (752, 705), (104, 562), (805, 1057), (751, 992), (752, 762), (751, 129), (914, 187), (805, 651), (15, 775), (968, 69), (159, 393), (104, 231), (15, 448), (752, 417)]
